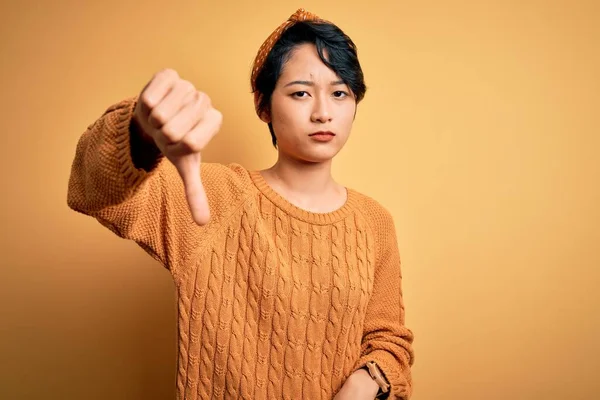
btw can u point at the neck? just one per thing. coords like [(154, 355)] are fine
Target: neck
[(302, 178)]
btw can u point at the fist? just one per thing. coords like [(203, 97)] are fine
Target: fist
[(181, 121)]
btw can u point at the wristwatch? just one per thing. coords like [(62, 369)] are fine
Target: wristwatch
[(379, 378)]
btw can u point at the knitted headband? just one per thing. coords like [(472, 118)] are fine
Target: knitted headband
[(264, 50)]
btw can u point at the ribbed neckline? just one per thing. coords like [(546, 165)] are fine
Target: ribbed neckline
[(308, 216)]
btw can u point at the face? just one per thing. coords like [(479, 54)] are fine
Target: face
[(308, 98)]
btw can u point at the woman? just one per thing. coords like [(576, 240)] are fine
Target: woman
[(289, 284)]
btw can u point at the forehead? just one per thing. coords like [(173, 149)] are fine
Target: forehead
[(304, 62)]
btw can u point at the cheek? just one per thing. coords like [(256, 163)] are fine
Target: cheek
[(281, 117), (347, 118), (286, 117)]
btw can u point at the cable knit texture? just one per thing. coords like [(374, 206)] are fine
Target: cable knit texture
[(274, 302)]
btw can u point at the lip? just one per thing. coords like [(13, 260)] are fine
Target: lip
[(323, 136), (322, 133)]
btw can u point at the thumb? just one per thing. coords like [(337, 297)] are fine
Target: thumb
[(188, 167)]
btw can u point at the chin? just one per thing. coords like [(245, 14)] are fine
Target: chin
[(321, 155)]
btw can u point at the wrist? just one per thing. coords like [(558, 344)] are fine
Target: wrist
[(361, 381), (377, 375)]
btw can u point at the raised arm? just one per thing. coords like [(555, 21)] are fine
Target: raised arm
[(136, 165)]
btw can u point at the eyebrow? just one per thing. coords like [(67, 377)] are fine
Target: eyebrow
[(311, 83)]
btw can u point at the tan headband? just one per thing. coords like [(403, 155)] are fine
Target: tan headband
[(267, 46)]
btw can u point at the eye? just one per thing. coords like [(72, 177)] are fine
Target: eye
[(340, 94), (299, 94)]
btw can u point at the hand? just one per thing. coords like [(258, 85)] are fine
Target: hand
[(358, 386), (180, 120)]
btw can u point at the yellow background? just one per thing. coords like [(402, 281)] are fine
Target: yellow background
[(479, 132)]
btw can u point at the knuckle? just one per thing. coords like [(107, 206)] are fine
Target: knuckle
[(198, 102), (159, 116), (196, 99), (169, 133), (146, 99), (218, 116), (167, 73), (191, 143), (189, 98), (207, 99), (186, 86)]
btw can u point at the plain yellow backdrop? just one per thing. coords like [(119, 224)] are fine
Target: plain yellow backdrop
[(479, 132)]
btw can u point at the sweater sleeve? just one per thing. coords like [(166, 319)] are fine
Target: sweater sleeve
[(386, 339), (144, 201)]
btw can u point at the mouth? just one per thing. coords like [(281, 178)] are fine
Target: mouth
[(322, 136), (322, 133)]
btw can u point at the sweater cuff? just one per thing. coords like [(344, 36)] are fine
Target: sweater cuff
[(136, 158), (400, 381)]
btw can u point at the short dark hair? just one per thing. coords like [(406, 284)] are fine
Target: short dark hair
[(342, 58)]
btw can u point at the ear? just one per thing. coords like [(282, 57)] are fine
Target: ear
[(264, 116)]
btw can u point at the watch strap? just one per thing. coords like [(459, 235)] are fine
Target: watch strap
[(378, 377)]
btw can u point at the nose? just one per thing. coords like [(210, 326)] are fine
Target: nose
[(321, 111)]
